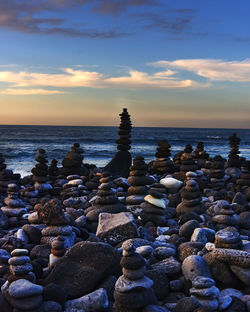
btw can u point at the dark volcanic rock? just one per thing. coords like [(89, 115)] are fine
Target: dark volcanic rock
[(84, 266)]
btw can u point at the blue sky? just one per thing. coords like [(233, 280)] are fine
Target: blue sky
[(79, 62)]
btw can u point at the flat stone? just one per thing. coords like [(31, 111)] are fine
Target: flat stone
[(23, 288), (134, 274), (212, 292), (169, 266), (75, 182), (231, 292), (202, 282), (202, 235), (57, 230), (13, 212), (123, 284), (209, 304), (21, 269), (19, 260), (232, 256), (161, 203), (19, 252), (171, 183), (26, 304)]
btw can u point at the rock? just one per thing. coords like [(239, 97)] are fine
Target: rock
[(232, 256), (171, 183), (242, 273), (115, 228), (23, 288), (164, 252), (53, 292), (95, 301), (49, 306), (126, 285), (188, 227), (161, 203), (33, 233), (169, 266), (85, 261), (203, 235), (154, 308), (4, 223), (194, 266), (187, 304)]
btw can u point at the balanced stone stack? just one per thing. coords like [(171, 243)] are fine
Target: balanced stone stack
[(177, 161), (154, 208), (72, 163), (57, 250), (40, 173), (191, 199), (138, 181), (20, 266), (229, 238), (226, 217), (15, 207), (162, 164), (187, 161), (200, 155), (217, 172), (106, 201), (233, 156), (5, 176), (53, 170), (244, 179), (119, 165), (204, 290), (133, 290), (57, 222)]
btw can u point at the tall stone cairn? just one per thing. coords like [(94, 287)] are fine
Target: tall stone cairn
[(119, 165), (162, 164), (233, 156)]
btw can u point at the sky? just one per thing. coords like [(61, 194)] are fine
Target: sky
[(183, 63)]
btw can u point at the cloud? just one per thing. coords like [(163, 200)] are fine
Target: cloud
[(212, 69), (72, 78), (21, 16), (30, 92)]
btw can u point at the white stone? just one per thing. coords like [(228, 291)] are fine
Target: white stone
[(53, 259), (22, 236), (171, 183), (161, 203), (75, 182)]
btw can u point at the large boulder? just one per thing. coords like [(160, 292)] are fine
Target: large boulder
[(116, 228), (84, 267)]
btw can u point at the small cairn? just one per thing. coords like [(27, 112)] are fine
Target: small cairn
[(187, 161), (57, 250), (52, 214), (226, 217), (200, 155), (40, 173), (72, 163), (15, 207), (217, 173), (106, 201), (191, 199), (154, 208), (229, 238), (204, 290), (119, 165), (133, 290), (6, 176), (163, 165), (244, 179), (53, 170), (20, 266), (138, 181), (234, 160), (177, 161)]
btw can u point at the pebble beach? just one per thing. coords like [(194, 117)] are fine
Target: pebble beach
[(166, 232)]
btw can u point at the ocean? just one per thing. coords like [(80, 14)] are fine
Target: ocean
[(19, 144)]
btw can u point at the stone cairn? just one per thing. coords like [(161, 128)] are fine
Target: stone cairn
[(21, 292), (119, 165), (154, 208), (228, 237), (72, 163), (191, 199), (225, 217), (138, 181), (57, 249), (106, 201), (52, 214), (163, 165), (234, 160), (187, 161), (217, 173), (133, 289), (200, 155), (15, 207), (5, 176), (244, 179), (53, 170), (40, 173)]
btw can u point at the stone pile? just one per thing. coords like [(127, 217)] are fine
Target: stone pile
[(217, 173), (72, 163), (119, 165), (138, 181), (225, 217), (229, 237), (57, 249), (244, 179), (191, 199), (106, 201), (57, 223), (15, 207), (6, 176), (53, 170), (162, 164), (187, 161), (234, 160), (133, 289), (200, 155), (40, 173)]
